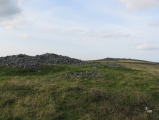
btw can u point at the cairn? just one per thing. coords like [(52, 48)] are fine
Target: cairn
[(24, 61)]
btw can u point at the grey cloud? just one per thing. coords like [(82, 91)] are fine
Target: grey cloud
[(8, 8)]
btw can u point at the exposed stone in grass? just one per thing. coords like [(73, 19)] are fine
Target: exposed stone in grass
[(149, 111), (115, 65), (81, 74), (24, 61)]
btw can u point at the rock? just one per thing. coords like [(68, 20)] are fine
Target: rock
[(24, 61), (82, 74), (115, 65), (146, 108), (149, 111)]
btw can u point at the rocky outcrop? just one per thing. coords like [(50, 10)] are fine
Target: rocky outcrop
[(25, 61)]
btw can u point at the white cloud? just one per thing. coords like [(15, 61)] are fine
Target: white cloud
[(147, 47), (84, 32), (10, 27), (9, 8), (24, 36), (65, 31), (140, 4), (109, 35)]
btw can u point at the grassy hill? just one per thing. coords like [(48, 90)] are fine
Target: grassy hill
[(81, 92)]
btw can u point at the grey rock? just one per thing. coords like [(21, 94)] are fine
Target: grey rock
[(82, 74), (24, 61), (115, 65)]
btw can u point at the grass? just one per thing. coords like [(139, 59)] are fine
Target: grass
[(46, 93)]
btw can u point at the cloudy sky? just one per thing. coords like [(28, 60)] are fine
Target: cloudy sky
[(83, 29)]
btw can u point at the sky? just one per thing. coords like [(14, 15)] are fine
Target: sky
[(82, 29)]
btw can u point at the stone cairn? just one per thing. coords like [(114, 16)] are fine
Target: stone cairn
[(24, 61)]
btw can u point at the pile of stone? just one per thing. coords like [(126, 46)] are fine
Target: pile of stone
[(83, 74), (25, 61), (115, 65)]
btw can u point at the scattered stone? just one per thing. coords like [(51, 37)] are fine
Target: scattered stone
[(94, 67), (115, 65), (82, 74), (147, 110), (24, 61)]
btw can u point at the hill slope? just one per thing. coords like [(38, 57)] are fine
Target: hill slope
[(86, 92), (131, 63)]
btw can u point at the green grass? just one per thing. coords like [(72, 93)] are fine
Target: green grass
[(46, 93)]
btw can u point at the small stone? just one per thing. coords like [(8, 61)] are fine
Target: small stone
[(146, 108), (149, 111)]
